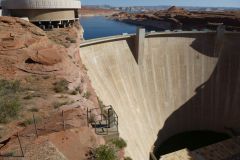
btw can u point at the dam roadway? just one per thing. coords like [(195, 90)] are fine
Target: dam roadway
[(184, 81)]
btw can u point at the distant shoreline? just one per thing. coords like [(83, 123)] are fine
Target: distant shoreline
[(91, 12), (96, 15)]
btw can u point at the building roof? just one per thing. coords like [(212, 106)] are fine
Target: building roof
[(42, 4)]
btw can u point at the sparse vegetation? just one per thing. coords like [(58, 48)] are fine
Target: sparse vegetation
[(28, 97), (74, 92), (46, 77), (31, 96), (70, 39), (9, 154), (30, 121), (59, 104), (119, 143), (61, 86), (34, 109), (9, 100), (105, 152), (87, 95), (78, 89)]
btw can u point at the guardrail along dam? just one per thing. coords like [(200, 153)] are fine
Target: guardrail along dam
[(165, 84)]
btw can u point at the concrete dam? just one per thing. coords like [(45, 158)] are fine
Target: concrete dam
[(164, 84)]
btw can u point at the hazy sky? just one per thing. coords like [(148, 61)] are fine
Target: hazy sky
[(205, 3)]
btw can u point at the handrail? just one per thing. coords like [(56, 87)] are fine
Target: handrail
[(113, 121)]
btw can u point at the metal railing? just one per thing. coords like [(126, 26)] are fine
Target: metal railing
[(103, 121)]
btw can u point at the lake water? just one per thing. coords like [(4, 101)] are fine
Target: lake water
[(98, 26)]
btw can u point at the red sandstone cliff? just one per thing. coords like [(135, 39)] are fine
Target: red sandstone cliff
[(38, 60)]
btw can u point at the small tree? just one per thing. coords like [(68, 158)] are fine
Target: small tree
[(119, 143), (105, 152)]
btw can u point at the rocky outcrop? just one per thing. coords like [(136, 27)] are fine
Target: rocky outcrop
[(39, 59), (91, 11), (179, 18)]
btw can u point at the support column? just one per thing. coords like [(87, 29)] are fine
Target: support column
[(139, 44)]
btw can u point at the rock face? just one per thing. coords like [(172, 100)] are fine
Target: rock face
[(179, 18), (24, 48), (174, 9), (38, 60)]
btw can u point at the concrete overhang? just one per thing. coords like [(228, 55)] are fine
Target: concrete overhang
[(42, 4)]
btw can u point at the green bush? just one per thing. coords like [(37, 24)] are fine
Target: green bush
[(119, 143), (9, 87), (9, 100), (9, 108), (61, 86), (127, 158), (105, 152)]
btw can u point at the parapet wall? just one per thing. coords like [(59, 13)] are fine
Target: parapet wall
[(186, 81)]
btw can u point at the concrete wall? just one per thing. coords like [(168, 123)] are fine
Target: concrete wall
[(185, 82), (44, 14)]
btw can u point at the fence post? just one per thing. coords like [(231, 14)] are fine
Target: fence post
[(87, 118), (35, 126), (63, 120), (20, 144)]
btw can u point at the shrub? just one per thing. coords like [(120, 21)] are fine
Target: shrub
[(34, 110), (74, 92), (86, 95), (119, 143), (78, 89), (30, 121), (105, 152), (9, 154), (127, 158), (9, 108), (28, 97), (46, 77), (61, 86), (59, 104), (71, 40), (9, 100), (31, 96), (9, 87)]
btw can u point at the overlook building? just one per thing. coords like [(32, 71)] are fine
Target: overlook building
[(45, 13)]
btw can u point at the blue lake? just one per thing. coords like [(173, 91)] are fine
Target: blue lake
[(98, 26)]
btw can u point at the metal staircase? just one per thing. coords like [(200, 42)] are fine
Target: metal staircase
[(105, 121)]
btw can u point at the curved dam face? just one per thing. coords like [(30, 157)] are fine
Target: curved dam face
[(182, 82)]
